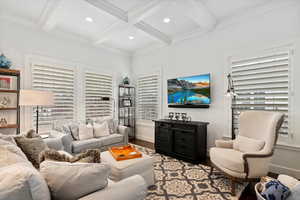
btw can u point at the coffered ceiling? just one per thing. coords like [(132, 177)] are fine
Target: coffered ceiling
[(128, 25)]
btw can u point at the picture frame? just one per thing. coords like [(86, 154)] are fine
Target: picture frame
[(5, 83), (127, 103)]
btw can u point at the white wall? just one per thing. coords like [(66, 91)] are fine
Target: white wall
[(25, 43), (210, 54)]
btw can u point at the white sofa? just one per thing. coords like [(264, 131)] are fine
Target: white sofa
[(19, 180)]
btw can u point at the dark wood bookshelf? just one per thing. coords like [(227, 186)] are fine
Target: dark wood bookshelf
[(16, 91)]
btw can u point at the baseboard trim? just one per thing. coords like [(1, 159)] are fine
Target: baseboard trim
[(278, 169)]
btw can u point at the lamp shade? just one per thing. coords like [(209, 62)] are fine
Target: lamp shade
[(36, 98)]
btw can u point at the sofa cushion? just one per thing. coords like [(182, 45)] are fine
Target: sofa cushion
[(101, 130), (111, 139), (8, 138), (245, 144), (11, 154), (32, 147), (86, 132), (20, 179), (70, 181), (110, 121), (295, 193), (227, 158), (289, 181), (81, 145)]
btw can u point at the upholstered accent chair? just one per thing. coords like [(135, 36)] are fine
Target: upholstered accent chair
[(247, 158)]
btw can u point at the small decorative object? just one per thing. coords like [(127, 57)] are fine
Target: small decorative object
[(177, 116), (5, 82), (4, 101), (171, 115), (4, 62), (126, 102), (183, 116), (126, 81), (189, 119), (3, 122)]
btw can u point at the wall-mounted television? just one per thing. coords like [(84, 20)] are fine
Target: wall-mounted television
[(189, 92)]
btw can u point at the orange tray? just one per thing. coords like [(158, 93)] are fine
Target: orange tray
[(124, 152)]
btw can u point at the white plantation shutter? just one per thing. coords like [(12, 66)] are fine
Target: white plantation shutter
[(98, 86), (148, 97), (262, 83), (60, 81)]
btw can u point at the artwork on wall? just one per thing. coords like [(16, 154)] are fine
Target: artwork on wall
[(5, 82)]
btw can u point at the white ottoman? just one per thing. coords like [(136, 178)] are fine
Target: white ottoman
[(122, 169)]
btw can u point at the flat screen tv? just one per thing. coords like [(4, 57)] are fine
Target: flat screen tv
[(191, 91)]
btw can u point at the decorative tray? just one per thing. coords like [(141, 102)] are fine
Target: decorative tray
[(124, 152)]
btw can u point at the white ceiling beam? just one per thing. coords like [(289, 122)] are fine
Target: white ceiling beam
[(153, 32), (200, 14), (49, 18), (142, 11), (110, 8), (136, 16)]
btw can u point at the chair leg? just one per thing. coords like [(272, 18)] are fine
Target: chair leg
[(232, 187), (211, 170)]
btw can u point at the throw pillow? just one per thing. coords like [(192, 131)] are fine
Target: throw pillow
[(32, 147), (86, 132), (110, 122), (245, 144), (69, 181), (295, 193), (89, 156), (74, 128), (101, 130), (275, 190)]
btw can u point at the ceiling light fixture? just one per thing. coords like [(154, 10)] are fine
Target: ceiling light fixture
[(130, 37), (89, 19), (167, 20)]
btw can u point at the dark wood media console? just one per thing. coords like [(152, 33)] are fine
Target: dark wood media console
[(183, 140)]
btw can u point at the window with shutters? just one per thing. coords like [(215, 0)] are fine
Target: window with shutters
[(262, 83), (148, 97), (60, 81), (97, 87)]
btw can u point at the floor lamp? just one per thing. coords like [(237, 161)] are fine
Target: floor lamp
[(232, 94), (36, 98)]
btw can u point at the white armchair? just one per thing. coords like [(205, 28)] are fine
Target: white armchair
[(247, 157)]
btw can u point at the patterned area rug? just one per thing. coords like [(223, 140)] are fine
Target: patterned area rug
[(175, 179)]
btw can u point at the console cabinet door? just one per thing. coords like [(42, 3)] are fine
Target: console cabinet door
[(184, 143), (163, 139)]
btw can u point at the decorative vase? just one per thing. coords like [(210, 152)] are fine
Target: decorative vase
[(126, 81), (4, 62)]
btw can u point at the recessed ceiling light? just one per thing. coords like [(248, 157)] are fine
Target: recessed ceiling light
[(89, 19), (130, 37), (167, 20)]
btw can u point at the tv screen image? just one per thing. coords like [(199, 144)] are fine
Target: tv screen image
[(192, 90)]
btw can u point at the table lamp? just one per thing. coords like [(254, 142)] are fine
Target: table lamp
[(36, 98)]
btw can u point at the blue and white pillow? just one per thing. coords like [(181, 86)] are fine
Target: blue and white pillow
[(275, 190)]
